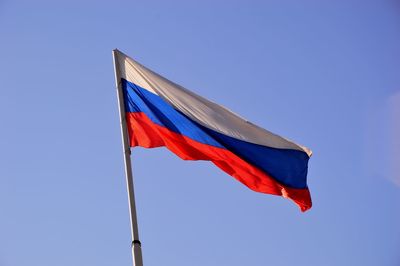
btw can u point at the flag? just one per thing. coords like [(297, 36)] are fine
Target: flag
[(160, 113)]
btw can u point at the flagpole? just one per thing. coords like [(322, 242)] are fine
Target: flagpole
[(136, 245)]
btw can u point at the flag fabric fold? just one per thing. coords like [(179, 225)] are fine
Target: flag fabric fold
[(161, 113)]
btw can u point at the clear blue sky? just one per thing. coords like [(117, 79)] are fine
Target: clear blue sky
[(323, 73)]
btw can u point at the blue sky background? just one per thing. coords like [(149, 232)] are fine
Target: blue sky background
[(323, 73)]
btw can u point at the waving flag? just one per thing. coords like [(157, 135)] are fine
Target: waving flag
[(161, 113)]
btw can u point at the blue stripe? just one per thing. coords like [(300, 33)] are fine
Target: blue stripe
[(288, 167)]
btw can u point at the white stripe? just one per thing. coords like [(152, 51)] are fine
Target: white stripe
[(199, 109)]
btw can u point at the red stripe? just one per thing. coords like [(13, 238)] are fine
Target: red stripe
[(143, 132)]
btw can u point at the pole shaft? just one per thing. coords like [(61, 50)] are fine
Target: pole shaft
[(136, 246)]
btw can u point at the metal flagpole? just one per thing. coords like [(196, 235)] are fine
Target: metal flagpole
[(136, 245)]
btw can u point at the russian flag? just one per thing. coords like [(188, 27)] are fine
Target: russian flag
[(160, 113)]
